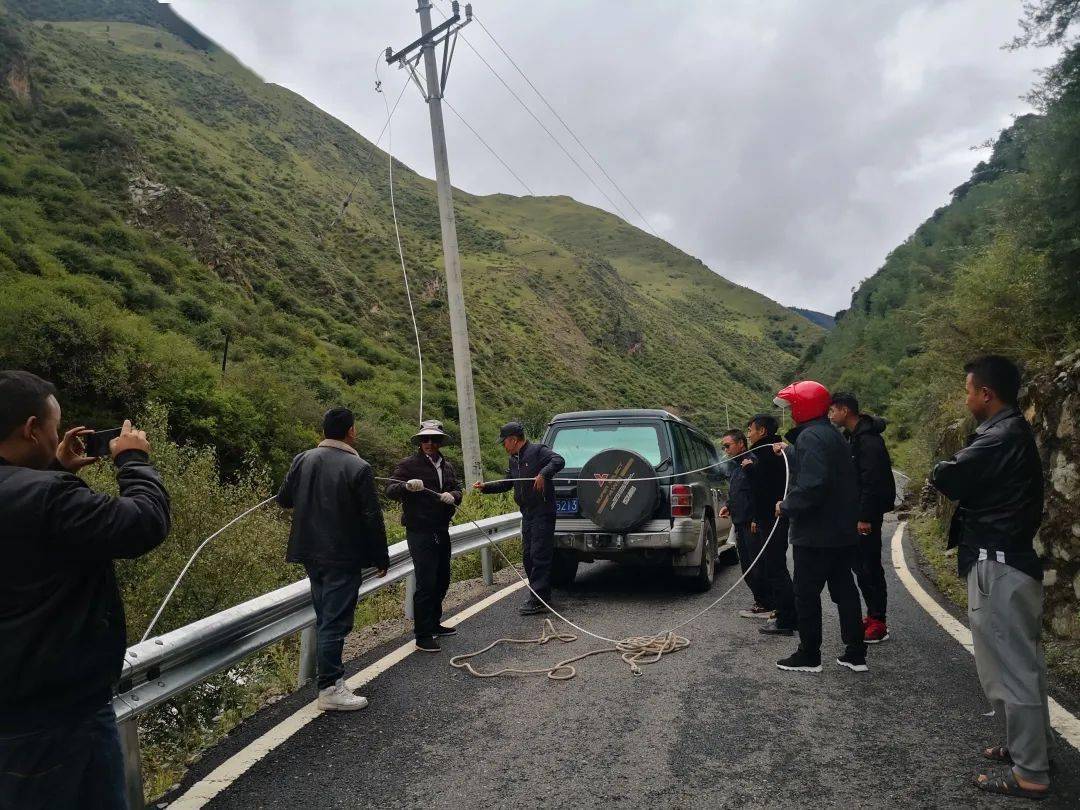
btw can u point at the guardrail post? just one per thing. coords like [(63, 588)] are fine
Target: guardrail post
[(308, 656), (486, 565), (410, 592), (129, 747)]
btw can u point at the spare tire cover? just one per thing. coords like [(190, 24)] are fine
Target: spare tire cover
[(618, 500)]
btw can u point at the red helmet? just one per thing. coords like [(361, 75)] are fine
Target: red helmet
[(807, 400)]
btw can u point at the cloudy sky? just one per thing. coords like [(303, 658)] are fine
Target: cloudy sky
[(788, 144)]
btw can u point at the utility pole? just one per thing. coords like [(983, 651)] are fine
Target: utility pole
[(433, 88)]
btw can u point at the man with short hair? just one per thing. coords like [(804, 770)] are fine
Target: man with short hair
[(337, 531), (740, 509), (532, 466), (822, 506), (61, 616), (877, 495), (426, 483), (998, 480), (768, 477)]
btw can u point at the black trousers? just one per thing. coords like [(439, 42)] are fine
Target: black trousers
[(334, 593), (870, 573), (782, 595), (430, 550), (748, 544), (815, 568), (538, 540)]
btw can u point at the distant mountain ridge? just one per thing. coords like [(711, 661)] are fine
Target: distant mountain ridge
[(819, 318)]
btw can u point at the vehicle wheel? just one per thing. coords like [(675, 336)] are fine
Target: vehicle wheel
[(706, 573), (563, 568)]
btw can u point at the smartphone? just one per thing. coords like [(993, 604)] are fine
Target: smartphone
[(97, 443)]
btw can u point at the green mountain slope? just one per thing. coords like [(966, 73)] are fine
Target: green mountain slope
[(156, 196)]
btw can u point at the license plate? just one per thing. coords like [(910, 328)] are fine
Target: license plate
[(566, 506)]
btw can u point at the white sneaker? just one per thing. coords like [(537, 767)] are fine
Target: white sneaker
[(338, 698)]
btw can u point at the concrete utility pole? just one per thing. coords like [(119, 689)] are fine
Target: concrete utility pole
[(433, 88)]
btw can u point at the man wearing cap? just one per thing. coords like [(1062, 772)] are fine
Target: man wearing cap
[(529, 474), (427, 486)]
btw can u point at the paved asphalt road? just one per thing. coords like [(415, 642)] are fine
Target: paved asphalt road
[(716, 725)]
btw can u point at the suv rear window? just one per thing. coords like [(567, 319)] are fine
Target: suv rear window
[(578, 443)]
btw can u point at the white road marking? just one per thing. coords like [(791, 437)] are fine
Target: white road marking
[(231, 769), (1067, 725)]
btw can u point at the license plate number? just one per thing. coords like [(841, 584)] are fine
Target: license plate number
[(566, 506)]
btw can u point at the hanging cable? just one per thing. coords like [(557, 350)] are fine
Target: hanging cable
[(498, 157)]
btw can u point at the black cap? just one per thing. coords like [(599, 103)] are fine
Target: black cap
[(511, 429)]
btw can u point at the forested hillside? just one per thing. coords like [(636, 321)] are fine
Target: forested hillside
[(158, 199)]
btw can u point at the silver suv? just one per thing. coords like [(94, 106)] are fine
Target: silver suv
[(681, 531)]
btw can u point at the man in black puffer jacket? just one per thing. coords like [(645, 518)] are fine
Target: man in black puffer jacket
[(877, 495), (61, 618), (427, 486), (822, 506)]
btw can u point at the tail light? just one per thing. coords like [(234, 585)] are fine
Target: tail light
[(682, 500)]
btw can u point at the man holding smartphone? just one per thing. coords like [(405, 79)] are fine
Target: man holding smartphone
[(61, 616)]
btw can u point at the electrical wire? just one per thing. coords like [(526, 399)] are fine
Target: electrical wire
[(490, 148)]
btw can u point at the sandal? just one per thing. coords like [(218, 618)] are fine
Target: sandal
[(998, 754), (1008, 786)]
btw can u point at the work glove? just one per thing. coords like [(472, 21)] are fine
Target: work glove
[(447, 498), (414, 485)]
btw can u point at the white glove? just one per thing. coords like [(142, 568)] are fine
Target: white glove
[(414, 485), (447, 498)]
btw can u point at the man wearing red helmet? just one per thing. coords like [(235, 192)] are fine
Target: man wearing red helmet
[(822, 506)]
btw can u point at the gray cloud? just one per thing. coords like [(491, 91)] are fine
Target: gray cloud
[(789, 145)]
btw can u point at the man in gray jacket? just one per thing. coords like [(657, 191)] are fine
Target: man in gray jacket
[(337, 531)]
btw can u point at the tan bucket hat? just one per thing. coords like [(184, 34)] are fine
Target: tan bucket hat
[(430, 427)]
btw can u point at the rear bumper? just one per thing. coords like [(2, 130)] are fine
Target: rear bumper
[(681, 536)]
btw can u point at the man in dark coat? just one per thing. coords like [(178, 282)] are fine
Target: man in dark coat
[(767, 474), (740, 509), (998, 480), (877, 495), (529, 474), (427, 486), (822, 506), (337, 531), (61, 617)]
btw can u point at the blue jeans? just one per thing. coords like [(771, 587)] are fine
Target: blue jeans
[(77, 764), (334, 593)]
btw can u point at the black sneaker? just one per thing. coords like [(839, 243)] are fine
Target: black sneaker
[(532, 608), (443, 630), (800, 662), (771, 628), (428, 644), (853, 661)]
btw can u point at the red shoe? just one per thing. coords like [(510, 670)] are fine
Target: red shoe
[(875, 631)]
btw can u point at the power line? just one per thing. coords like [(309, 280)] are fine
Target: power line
[(562, 121), (542, 125), (491, 149)]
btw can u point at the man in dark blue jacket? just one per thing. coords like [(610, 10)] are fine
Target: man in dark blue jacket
[(740, 509), (61, 618), (337, 531), (529, 474)]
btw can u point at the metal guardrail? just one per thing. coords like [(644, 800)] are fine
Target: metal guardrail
[(165, 666)]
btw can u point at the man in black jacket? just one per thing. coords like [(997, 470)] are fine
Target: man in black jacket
[(337, 531), (767, 474), (532, 466), (877, 495), (427, 486), (740, 509), (61, 618), (998, 480), (822, 506)]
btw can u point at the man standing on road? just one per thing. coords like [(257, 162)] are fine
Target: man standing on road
[(822, 506), (998, 480), (740, 509), (427, 486), (337, 531), (61, 616), (768, 477), (529, 474), (877, 495)]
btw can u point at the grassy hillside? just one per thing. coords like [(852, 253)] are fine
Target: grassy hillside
[(156, 196)]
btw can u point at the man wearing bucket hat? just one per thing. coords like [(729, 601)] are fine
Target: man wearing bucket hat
[(529, 474), (427, 486)]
